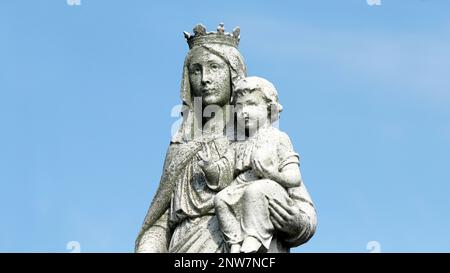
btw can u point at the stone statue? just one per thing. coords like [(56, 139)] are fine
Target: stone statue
[(227, 186)]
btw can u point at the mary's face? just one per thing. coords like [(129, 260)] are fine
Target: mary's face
[(209, 76)]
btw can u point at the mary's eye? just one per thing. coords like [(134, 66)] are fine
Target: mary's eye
[(214, 66), (196, 70)]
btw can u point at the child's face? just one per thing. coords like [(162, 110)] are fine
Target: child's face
[(251, 110)]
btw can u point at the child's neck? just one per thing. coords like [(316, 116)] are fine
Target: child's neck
[(251, 133)]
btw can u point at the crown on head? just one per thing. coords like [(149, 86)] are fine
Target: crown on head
[(201, 36)]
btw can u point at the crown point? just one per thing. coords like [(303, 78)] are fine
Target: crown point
[(221, 28), (199, 29), (187, 35), (236, 32)]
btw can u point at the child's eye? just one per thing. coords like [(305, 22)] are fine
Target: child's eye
[(214, 66)]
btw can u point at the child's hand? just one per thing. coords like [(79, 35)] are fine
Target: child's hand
[(266, 171), (264, 166)]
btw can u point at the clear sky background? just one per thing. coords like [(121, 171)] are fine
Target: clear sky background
[(86, 94)]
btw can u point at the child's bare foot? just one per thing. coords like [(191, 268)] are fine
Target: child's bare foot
[(235, 248), (250, 245)]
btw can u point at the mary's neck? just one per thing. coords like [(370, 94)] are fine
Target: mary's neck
[(214, 122)]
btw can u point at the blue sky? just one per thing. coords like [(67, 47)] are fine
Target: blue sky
[(86, 94)]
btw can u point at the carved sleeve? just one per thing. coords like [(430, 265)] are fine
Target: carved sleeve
[(286, 152)]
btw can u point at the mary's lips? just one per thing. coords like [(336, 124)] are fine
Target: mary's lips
[(207, 91)]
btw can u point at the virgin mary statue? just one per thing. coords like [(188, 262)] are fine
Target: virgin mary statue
[(182, 217)]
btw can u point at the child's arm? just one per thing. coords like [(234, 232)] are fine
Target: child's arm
[(289, 176), (278, 161)]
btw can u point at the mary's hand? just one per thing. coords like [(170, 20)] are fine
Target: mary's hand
[(204, 156), (285, 218)]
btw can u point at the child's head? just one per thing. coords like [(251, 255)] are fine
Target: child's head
[(256, 101)]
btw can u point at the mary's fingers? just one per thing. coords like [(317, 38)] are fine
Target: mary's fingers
[(207, 150), (205, 155), (201, 164), (276, 215), (276, 224), (201, 156), (286, 207), (280, 210)]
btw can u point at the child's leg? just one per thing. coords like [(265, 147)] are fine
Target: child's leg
[(228, 209), (256, 223)]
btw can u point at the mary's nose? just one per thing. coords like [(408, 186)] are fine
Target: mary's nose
[(206, 77)]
